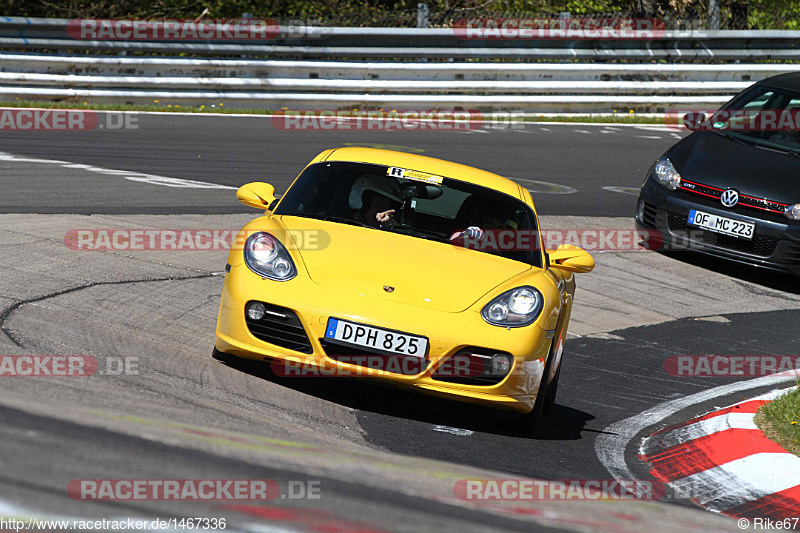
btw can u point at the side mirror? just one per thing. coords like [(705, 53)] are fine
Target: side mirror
[(571, 258), (257, 194)]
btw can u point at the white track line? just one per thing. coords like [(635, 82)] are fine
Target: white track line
[(611, 443), (130, 175), (703, 428), (709, 426), (743, 480)]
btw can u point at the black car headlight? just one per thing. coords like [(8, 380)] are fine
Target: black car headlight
[(792, 212), (666, 174), (267, 257), (514, 308)]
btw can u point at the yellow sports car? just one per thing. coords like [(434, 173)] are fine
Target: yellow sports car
[(422, 272)]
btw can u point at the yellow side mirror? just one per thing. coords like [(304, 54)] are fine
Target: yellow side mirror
[(256, 194), (571, 258)]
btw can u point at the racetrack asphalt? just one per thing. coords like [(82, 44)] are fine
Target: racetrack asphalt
[(386, 459), (567, 166)]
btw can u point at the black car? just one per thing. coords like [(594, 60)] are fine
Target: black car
[(732, 188)]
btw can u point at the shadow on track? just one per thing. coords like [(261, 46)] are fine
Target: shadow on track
[(563, 423), (770, 279)]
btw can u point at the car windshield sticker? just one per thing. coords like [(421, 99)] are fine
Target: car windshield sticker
[(414, 175)]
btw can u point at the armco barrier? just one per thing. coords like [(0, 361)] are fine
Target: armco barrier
[(325, 68)]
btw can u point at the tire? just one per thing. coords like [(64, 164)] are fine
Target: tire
[(550, 400), (545, 397), (532, 421)]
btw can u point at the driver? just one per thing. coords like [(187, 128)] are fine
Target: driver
[(374, 201), (490, 218)]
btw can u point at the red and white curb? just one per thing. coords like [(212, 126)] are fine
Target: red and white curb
[(724, 463)]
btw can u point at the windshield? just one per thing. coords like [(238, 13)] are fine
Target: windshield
[(417, 204), (763, 116)]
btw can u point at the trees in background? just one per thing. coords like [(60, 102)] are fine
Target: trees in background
[(734, 14)]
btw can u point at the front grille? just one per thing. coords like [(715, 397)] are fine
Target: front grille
[(762, 203), (282, 327), (678, 223), (396, 364), (791, 250), (744, 200), (760, 245), (649, 213), (702, 189)]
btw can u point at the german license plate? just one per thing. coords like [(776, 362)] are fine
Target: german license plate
[(724, 225), (379, 339)]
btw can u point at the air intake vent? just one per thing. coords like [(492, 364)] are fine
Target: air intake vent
[(282, 327)]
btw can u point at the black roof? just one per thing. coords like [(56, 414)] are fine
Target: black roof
[(789, 81)]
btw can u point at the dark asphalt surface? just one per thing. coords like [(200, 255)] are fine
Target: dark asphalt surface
[(603, 380), (233, 151), (83, 453)]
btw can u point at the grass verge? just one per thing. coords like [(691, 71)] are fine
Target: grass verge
[(780, 420), (221, 108)]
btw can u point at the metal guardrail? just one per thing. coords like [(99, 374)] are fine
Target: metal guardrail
[(517, 75)]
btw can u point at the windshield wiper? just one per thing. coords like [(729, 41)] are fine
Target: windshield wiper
[(733, 138), (342, 220), (758, 143), (788, 151)]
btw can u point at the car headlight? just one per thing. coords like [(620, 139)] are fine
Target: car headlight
[(792, 212), (514, 308), (666, 174), (267, 257)]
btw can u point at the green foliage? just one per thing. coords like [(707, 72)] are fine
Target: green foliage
[(177, 8), (780, 420), (734, 14)]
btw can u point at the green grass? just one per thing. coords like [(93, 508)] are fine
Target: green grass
[(165, 107), (617, 118), (220, 107), (780, 420)]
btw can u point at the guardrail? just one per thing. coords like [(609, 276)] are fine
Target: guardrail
[(516, 75)]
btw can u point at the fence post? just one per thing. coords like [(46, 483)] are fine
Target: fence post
[(422, 15), (713, 10)]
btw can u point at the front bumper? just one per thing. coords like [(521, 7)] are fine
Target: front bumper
[(447, 333), (775, 244)]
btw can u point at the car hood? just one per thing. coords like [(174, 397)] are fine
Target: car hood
[(712, 159), (365, 262)]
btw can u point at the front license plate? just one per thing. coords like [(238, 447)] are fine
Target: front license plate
[(379, 339), (724, 225)]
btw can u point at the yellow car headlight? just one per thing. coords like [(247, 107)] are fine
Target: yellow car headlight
[(267, 257), (514, 308)]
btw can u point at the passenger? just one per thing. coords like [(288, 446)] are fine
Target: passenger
[(490, 219), (374, 201)]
